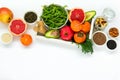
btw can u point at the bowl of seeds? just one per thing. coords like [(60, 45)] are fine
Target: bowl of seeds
[(30, 17)]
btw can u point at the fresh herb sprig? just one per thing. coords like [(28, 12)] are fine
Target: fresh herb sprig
[(87, 46)]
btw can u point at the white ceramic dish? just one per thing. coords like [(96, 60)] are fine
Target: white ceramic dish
[(112, 50), (6, 38), (91, 30), (32, 23), (113, 26), (102, 45)]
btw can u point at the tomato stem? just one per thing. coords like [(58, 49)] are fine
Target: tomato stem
[(80, 34)]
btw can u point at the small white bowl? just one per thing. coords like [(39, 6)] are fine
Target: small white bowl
[(35, 14), (115, 50), (6, 38), (114, 26)]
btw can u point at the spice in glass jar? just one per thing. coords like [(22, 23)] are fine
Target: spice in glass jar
[(100, 23)]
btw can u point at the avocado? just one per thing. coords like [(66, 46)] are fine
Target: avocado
[(90, 15), (52, 34)]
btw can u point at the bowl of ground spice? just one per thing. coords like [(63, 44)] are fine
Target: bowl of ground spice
[(30, 17), (113, 32), (99, 38)]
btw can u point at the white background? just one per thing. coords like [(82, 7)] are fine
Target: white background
[(50, 60)]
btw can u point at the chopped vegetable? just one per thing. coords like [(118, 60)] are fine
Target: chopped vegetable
[(54, 16)]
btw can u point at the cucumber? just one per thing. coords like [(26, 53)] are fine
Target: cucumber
[(90, 15)]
